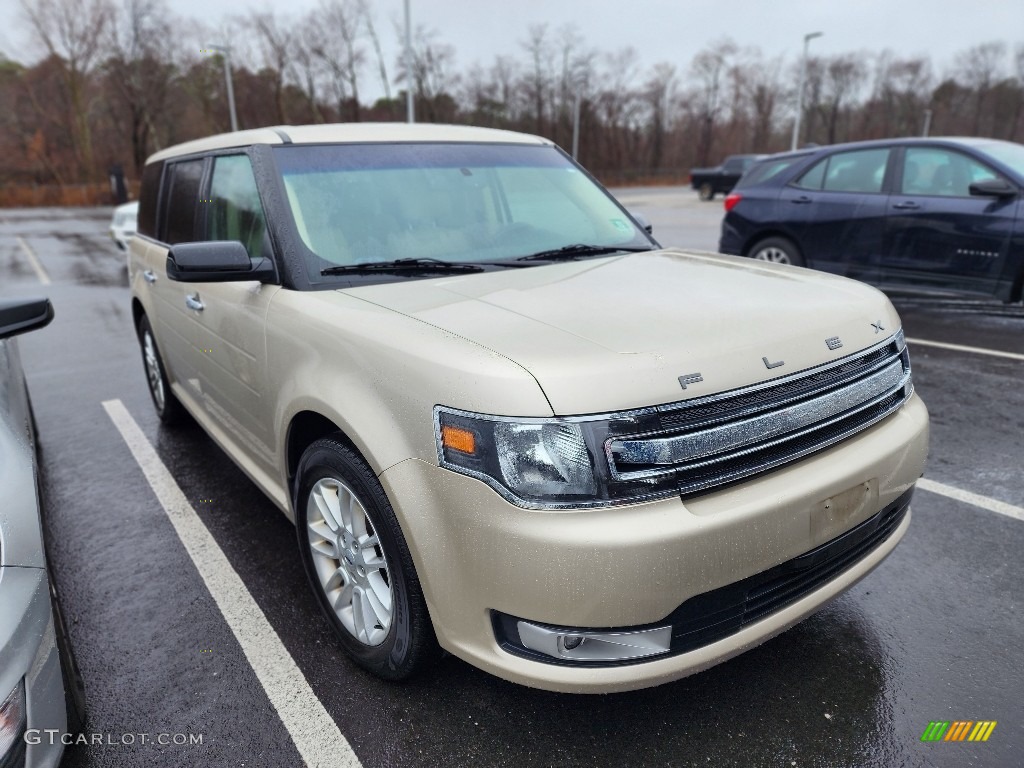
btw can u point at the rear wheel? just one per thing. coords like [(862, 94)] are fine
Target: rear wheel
[(168, 408), (706, 192), (358, 563), (777, 250)]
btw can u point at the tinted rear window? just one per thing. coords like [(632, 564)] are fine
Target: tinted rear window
[(148, 199), (182, 195), (766, 169)]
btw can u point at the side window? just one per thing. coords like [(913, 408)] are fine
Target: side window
[(764, 171), (942, 172), (859, 171), (812, 179), (234, 211), (182, 193), (148, 199)]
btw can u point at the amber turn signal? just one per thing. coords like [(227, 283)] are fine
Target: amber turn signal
[(458, 439)]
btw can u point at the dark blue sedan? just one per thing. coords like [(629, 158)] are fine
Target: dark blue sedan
[(941, 216)]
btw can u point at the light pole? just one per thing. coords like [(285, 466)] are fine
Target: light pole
[(410, 114), (800, 92), (576, 127), (225, 51)]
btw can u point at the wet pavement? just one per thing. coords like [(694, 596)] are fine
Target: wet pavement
[(934, 634)]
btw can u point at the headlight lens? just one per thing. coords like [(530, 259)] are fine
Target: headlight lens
[(12, 720), (543, 463)]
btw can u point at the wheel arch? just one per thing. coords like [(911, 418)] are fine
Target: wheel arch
[(305, 428), (138, 312)]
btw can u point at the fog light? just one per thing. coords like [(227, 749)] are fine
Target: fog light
[(12, 720), (569, 642), (575, 645)]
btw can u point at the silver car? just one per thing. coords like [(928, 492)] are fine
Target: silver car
[(40, 685)]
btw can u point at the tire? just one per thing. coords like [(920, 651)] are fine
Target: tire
[(706, 192), (359, 564), (168, 407), (74, 683), (777, 250)]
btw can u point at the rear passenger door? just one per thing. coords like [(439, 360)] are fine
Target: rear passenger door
[(837, 210), (173, 323), (938, 235)]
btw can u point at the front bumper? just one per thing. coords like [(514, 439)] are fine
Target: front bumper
[(629, 566), (28, 650)]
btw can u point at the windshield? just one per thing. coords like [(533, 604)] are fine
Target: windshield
[(369, 203), (1009, 154)]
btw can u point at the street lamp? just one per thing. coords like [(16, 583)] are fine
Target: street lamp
[(225, 51), (410, 115), (800, 92)]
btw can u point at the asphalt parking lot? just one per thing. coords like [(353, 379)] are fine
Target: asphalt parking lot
[(934, 634)]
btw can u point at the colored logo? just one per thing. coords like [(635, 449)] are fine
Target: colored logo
[(958, 730)]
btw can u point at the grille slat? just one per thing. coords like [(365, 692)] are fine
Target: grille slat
[(717, 440)]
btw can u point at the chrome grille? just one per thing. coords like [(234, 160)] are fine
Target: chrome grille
[(716, 440)]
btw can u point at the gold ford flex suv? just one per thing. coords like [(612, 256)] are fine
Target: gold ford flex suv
[(507, 423)]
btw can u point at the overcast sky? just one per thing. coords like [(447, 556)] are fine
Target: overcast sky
[(660, 30)]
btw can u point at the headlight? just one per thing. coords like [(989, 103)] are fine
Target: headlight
[(12, 721), (544, 463)]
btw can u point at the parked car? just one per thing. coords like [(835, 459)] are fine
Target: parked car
[(505, 422), (40, 686), (942, 216), (123, 224), (722, 178)]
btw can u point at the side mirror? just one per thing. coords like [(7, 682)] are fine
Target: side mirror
[(21, 315), (993, 188), (644, 222), (215, 261)]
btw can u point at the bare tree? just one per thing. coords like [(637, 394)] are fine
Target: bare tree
[(276, 41), (371, 32), (659, 93), (137, 73), (710, 68), (73, 30), (842, 79), (980, 67), (333, 36)]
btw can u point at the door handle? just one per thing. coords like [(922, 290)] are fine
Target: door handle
[(802, 200), (192, 302), (150, 276), (907, 205)]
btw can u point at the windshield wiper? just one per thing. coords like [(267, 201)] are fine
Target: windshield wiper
[(580, 249), (402, 265)]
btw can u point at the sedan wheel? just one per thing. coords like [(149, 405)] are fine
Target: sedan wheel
[(778, 251), (358, 562)]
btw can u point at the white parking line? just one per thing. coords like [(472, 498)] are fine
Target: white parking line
[(317, 737), (992, 505), (34, 261), (962, 348)]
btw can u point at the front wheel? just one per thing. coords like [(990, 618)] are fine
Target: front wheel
[(777, 250), (358, 563), (706, 192)]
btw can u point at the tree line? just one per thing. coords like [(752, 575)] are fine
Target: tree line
[(120, 80)]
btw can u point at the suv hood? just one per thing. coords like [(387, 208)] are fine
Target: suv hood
[(614, 333)]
